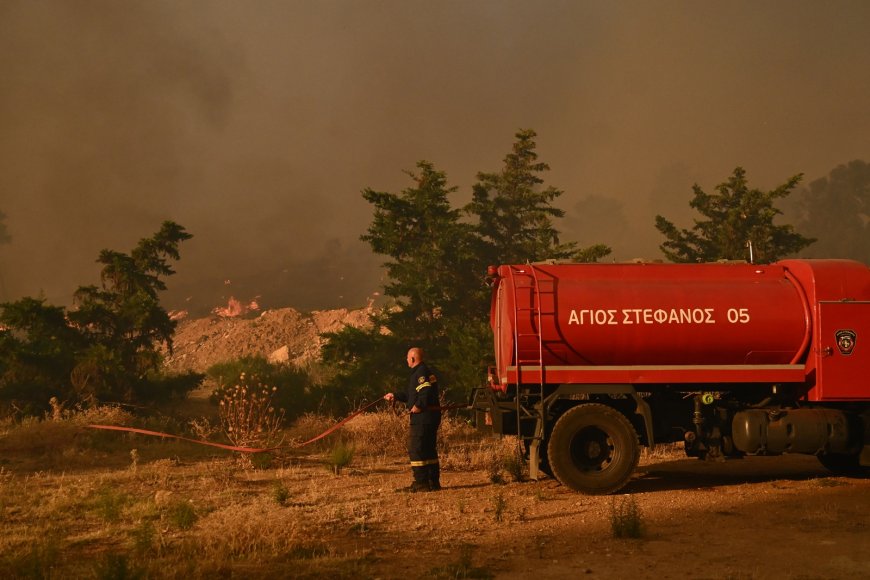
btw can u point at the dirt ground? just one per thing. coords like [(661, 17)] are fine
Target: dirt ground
[(782, 517), (756, 518)]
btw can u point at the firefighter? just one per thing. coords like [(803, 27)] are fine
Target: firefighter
[(422, 399)]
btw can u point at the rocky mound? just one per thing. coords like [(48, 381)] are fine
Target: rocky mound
[(283, 335)]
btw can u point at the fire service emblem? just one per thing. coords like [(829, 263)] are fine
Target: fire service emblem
[(846, 341)]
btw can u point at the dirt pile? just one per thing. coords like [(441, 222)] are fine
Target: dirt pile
[(283, 335)]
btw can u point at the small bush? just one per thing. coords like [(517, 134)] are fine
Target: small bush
[(280, 493), (249, 417), (626, 520), (340, 456), (309, 426), (292, 386), (261, 460), (514, 464), (494, 473), (506, 459), (182, 515), (462, 568)]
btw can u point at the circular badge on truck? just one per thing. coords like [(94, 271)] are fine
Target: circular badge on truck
[(846, 341)]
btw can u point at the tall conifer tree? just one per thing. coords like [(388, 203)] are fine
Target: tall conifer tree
[(735, 216)]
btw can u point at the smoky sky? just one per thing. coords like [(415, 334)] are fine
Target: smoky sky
[(256, 124)]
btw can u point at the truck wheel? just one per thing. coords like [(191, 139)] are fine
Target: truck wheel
[(843, 464), (593, 449)]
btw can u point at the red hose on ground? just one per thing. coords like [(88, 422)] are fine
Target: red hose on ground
[(251, 449)]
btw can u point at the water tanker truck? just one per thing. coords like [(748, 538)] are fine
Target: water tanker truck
[(593, 361)]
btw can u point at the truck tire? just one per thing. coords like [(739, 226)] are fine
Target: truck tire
[(593, 449), (844, 464)]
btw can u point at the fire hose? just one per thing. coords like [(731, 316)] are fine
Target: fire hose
[(242, 449)]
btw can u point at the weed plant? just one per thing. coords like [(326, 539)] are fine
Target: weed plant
[(499, 507), (462, 568), (494, 473), (280, 493), (514, 464), (181, 515), (340, 456), (626, 520), (249, 417)]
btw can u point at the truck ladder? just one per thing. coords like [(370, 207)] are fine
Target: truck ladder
[(524, 411)]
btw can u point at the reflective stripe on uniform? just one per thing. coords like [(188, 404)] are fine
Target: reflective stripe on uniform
[(425, 462), (422, 386)]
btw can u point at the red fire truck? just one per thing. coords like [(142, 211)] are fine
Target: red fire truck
[(594, 360)]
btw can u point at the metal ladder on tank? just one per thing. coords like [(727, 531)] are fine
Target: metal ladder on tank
[(524, 412)]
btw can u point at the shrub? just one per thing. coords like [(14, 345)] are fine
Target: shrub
[(514, 464), (626, 520), (143, 537), (292, 386), (249, 417), (280, 493), (309, 426), (340, 456), (462, 568), (182, 515)]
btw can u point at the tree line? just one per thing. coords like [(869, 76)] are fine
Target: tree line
[(107, 347), (437, 254)]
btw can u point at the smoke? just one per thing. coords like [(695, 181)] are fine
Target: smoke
[(257, 125)]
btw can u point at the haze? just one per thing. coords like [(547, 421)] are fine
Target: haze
[(256, 124)]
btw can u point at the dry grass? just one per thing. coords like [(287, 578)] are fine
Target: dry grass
[(244, 529), (146, 512), (662, 452), (82, 504)]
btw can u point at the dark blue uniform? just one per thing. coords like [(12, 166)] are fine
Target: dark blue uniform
[(423, 393)]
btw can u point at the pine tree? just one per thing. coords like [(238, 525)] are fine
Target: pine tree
[(434, 278), (736, 215), (107, 348), (436, 265), (431, 265), (122, 318), (515, 211)]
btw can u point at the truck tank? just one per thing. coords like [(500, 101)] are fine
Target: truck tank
[(650, 314)]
